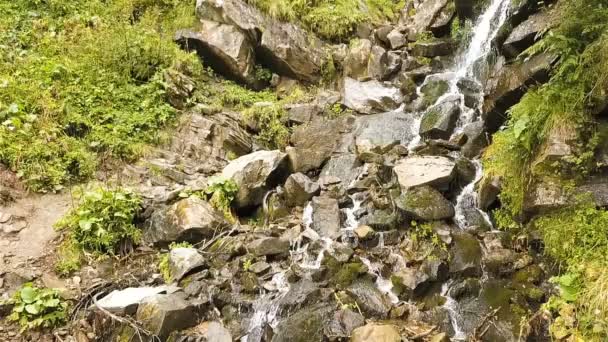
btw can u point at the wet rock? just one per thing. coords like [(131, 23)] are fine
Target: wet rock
[(465, 255), (184, 260), (432, 91), (425, 13), (414, 171), (526, 33), (126, 301), (477, 138), (224, 48), (433, 48), (439, 121), (255, 174), (441, 23), (190, 219), (509, 84), (326, 217), (469, 287), (268, 246), (305, 325), (314, 144), (379, 133), (300, 294), (396, 39), (500, 260), (355, 64), (369, 298), (206, 331), (299, 189), (370, 97), (374, 332), (471, 90), (377, 64), (164, 313), (343, 323), (382, 220), (487, 191), (345, 167), (425, 203)]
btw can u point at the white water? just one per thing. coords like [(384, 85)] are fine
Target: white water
[(467, 200), (384, 285), (266, 309), (451, 306)]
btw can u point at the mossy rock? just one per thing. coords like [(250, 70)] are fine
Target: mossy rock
[(433, 91), (347, 274), (426, 204)]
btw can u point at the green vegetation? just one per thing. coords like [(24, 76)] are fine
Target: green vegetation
[(461, 31), (163, 262), (220, 193), (330, 19), (38, 308), (433, 90), (576, 237), (83, 80), (102, 224), (424, 232)]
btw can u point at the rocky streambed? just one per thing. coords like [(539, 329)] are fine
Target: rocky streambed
[(370, 226)]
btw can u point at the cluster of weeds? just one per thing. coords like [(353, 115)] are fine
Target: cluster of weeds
[(35, 307)]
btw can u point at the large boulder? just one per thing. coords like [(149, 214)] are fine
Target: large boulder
[(326, 216), (190, 219), (225, 48), (314, 144), (425, 13), (425, 203), (374, 332), (509, 84), (526, 33), (345, 167), (183, 261), (439, 121), (126, 301), (164, 313), (378, 62), (434, 171), (465, 255), (299, 189), (370, 97), (255, 174), (268, 246), (369, 298), (305, 325), (433, 48), (378, 133), (355, 64)]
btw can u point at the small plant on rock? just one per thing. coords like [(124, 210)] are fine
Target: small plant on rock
[(163, 263), (38, 307), (220, 193)]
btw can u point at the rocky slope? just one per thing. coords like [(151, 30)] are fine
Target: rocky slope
[(371, 225)]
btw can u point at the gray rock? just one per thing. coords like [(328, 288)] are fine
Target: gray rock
[(396, 39), (487, 191), (355, 64), (369, 298), (441, 23), (377, 63), (382, 32), (465, 255), (255, 174), (259, 267), (374, 332), (184, 260), (162, 314), (477, 138), (344, 322), (526, 33), (379, 133), (370, 97), (190, 219), (303, 113), (126, 301), (326, 217), (223, 47), (425, 203), (345, 167), (425, 13), (471, 91), (216, 332), (314, 144), (268, 246), (433, 48), (382, 220), (299, 189), (439, 121), (306, 325), (415, 171)]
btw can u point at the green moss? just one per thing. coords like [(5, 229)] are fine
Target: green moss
[(433, 90), (430, 119), (347, 274)]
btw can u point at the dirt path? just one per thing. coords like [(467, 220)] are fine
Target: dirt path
[(26, 227)]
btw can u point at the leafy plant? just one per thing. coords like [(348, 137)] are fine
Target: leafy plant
[(103, 220), (38, 307), (247, 262), (220, 192), (425, 233)]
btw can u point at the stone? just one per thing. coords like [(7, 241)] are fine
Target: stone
[(345, 167), (375, 332), (471, 90), (314, 144), (560, 144), (433, 48), (425, 13), (382, 32), (356, 62), (414, 171), (224, 48), (326, 217), (528, 32), (299, 189), (190, 219), (369, 298), (396, 39), (364, 232), (268, 246), (184, 260), (344, 322), (487, 191), (377, 63), (255, 174), (302, 113), (259, 267), (432, 90), (306, 325), (477, 138), (465, 255), (379, 133), (441, 23), (425, 203), (439, 121), (162, 314), (370, 97), (382, 220), (126, 301)]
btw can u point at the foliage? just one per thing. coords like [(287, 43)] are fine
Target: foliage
[(424, 232), (330, 19), (81, 80), (163, 262), (461, 31), (38, 307), (247, 262), (69, 258), (103, 220), (220, 192)]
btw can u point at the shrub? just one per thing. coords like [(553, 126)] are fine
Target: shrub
[(220, 192), (38, 307), (103, 221)]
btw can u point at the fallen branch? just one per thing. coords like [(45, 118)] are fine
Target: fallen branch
[(421, 335), (478, 332)]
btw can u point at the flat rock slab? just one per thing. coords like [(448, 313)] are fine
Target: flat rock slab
[(127, 300), (434, 171)]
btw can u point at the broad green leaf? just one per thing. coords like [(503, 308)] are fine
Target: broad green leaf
[(33, 309), (29, 294)]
